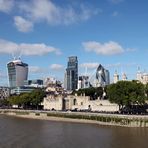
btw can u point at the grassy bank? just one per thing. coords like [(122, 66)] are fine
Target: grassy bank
[(97, 118)]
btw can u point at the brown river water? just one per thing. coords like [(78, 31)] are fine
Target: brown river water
[(18, 132)]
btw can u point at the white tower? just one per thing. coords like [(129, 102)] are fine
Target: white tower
[(139, 75), (124, 77), (116, 77)]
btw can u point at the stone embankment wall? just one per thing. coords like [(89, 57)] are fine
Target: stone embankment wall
[(83, 117)]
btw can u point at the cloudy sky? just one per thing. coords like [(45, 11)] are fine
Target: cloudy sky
[(45, 32)]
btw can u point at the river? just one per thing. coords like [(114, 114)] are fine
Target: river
[(18, 132)]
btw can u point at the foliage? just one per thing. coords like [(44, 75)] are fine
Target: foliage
[(4, 102), (146, 91), (126, 93), (93, 92), (37, 97), (28, 100)]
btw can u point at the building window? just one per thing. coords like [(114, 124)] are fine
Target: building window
[(74, 102)]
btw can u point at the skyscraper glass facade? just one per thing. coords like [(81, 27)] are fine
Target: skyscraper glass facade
[(17, 73), (72, 73), (102, 76)]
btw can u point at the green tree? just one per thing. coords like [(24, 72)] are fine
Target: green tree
[(25, 100), (4, 102), (126, 93), (93, 92), (14, 100), (28, 100), (146, 91), (37, 97)]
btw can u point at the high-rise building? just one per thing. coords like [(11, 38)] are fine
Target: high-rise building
[(102, 76), (65, 80), (72, 73), (17, 73)]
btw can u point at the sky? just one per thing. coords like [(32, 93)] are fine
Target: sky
[(44, 33)]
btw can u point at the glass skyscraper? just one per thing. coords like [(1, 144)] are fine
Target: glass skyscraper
[(72, 73), (102, 76), (17, 73)]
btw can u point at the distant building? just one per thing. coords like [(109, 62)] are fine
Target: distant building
[(116, 77), (65, 80), (34, 83), (17, 73), (102, 76), (4, 92), (107, 77), (83, 82), (53, 86), (142, 77), (21, 89), (72, 73), (124, 77)]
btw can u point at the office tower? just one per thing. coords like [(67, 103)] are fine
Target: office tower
[(83, 82), (102, 76), (72, 73), (17, 73), (65, 80), (107, 77)]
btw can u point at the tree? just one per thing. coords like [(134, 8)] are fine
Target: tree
[(126, 93), (28, 100), (37, 97), (25, 100), (146, 91), (4, 102), (93, 92), (14, 100)]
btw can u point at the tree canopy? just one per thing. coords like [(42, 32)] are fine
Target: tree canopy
[(28, 100), (93, 92), (126, 93)]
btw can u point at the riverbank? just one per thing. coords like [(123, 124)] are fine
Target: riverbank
[(81, 117)]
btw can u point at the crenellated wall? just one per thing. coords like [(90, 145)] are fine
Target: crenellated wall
[(72, 102)]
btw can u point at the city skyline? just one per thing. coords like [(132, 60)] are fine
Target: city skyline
[(46, 32)]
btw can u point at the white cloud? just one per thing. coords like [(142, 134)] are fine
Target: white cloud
[(22, 24), (56, 67), (89, 65), (9, 47), (36, 49), (6, 5), (46, 10), (121, 65), (35, 69), (108, 48)]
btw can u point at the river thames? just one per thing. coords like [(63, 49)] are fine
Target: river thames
[(18, 132)]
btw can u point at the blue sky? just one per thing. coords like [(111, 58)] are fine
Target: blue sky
[(46, 32)]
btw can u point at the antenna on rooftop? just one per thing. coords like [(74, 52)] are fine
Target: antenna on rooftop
[(20, 55)]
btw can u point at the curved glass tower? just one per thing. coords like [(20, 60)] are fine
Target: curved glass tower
[(102, 76), (17, 73)]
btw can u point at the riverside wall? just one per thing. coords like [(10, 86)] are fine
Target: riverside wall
[(82, 117)]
